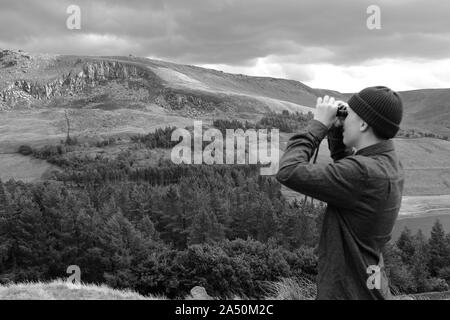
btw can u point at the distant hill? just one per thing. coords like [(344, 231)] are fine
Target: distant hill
[(428, 109), (129, 95), (67, 81)]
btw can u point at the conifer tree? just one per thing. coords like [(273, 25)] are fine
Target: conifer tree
[(406, 245), (419, 262), (437, 248)]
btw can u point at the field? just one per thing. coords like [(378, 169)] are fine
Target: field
[(23, 168), (424, 223), (48, 126), (427, 182), (425, 160)]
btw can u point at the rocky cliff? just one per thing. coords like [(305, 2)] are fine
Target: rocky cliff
[(27, 81), (25, 91)]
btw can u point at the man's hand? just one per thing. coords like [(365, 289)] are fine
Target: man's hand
[(326, 109)]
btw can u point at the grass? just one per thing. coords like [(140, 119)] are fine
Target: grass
[(291, 289), (284, 289), (62, 290), (23, 168)]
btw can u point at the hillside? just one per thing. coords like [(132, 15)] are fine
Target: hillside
[(127, 95), (109, 83), (428, 109), (70, 81)]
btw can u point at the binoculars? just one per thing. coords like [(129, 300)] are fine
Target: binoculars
[(342, 110)]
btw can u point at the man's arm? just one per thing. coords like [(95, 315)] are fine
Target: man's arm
[(337, 148), (338, 183)]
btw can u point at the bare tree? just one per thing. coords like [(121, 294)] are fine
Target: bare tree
[(68, 139)]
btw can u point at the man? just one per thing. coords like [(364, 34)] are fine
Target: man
[(363, 189)]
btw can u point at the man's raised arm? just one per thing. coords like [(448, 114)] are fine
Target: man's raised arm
[(337, 148), (336, 183)]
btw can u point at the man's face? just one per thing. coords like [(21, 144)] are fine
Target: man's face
[(352, 126)]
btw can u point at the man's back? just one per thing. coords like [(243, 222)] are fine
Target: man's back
[(363, 192), (353, 238)]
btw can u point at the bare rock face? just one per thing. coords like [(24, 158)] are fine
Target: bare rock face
[(91, 74), (28, 81), (199, 293)]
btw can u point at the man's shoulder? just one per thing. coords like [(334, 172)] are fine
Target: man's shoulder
[(377, 166)]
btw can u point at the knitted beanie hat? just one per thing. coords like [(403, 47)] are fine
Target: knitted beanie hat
[(380, 107)]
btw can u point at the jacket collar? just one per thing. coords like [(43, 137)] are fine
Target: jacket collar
[(380, 147)]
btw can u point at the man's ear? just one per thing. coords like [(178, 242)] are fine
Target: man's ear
[(363, 127)]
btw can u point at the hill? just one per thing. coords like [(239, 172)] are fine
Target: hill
[(127, 95), (114, 95), (110, 83), (428, 109)]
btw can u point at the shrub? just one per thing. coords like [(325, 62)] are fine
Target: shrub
[(25, 150), (436, 284)]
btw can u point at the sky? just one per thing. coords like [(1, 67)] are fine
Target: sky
[(324, 44)]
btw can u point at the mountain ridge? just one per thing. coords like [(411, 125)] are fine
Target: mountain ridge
[(68, 81)]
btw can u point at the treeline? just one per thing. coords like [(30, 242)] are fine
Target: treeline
[(284, 121), (53, 151), (85, 170), (416, 264), (224, 124), (160, 138), (414, 133), (228, 231)]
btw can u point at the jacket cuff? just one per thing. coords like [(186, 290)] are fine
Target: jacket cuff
[(317, 129), (335, 133)]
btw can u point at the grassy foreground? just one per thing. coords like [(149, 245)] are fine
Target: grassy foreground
[(286, 289), (62, 290)]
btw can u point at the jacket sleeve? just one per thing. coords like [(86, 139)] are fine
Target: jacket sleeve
[(337, 148), (338, 183)]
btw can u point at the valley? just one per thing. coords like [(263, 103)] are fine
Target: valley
[(124, 96)]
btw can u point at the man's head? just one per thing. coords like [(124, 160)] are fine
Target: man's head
[(374, 114)]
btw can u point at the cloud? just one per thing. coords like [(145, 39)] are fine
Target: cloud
[(394, 73), (287, 37)]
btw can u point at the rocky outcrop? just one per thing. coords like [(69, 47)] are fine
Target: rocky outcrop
[(177, 100), (91, 74), (39, 80)]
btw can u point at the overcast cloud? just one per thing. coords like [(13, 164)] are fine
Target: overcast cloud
[(321, 43)]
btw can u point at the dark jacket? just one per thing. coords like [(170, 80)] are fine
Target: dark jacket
[(363, 191)]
